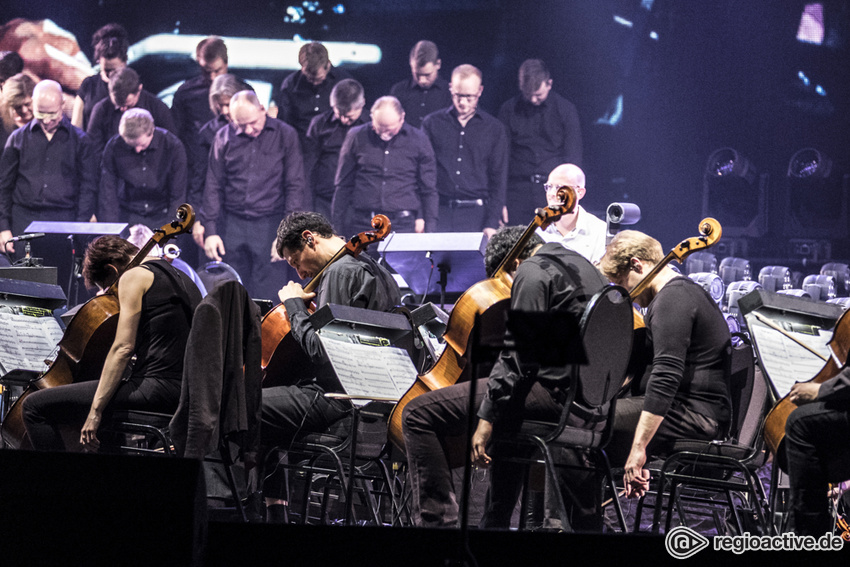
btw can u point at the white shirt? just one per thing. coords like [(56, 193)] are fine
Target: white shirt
[(587, 238)]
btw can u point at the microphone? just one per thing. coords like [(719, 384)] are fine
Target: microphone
[(26, 237)]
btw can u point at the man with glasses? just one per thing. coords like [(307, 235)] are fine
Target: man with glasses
[(426, 91), (324, 140), (255, 176), (579, 230), (47, 172), (471, 149), (544, 131), (386, 167)]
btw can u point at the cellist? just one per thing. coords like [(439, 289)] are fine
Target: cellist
[(686, 394), (307, 241), (156, 305), (550, 278), (817, 445)]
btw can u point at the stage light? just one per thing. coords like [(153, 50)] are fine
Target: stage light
[(734, 269), (820, 287), (816, 197), (735, 194), (711, 283), (701, 262), (734, 292), (841, 273), (775, 278)]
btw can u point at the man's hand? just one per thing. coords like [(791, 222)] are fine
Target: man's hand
[(214, 247), (48, 51), (489, 232), (479, 443), (6, 236), (88, 435), (804, 392), (198, 233), (294, 290), (419, 226), (636, 478), (504, 220)]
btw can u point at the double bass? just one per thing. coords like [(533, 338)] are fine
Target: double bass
[(281, 355), (774, 423), (82, 351), (488, 299)]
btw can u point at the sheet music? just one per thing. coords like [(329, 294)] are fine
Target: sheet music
[(785, 361), (363, 370), (26, 341)]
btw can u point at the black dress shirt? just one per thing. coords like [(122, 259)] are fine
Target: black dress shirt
[(198, 155), (41, 174), (418, 102), (321, 151), (554, 279), (190, 107), (472, 160), (145, 182), (386, 177), (254, 177), (105, 117), (92, 90), (299, 100), (541, 137)]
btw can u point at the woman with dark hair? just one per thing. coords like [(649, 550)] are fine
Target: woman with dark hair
[(110, 44), (156, 305)]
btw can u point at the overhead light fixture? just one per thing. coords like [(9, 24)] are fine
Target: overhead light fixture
[(735, 193), (816, 197)]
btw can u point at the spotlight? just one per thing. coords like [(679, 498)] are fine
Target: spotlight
[(734, 269), (710, 283), (841, 273), (618, 215), (735, 194), (816, 197), (734, 292), (701, 262), (775, 278), (820, 287)]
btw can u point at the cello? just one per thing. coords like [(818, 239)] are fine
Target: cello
[(488, 299), (774, 423), (281, 355), (81, 353)]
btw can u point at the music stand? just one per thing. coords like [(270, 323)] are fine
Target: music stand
[(74, 229), (458, 256)]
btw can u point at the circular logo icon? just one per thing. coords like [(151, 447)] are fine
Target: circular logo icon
[(683, 542)]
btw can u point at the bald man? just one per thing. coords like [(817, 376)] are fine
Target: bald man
[(255, 177), (47, 172), (579, 230), (386, 167)]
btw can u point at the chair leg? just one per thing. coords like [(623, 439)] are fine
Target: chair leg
[(227, 461), (618, 508)]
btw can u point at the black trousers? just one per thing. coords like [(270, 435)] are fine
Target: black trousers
[(46, 411), (817, 444), (248, 245), (461, 219), (432, 417), (289, 412), (523, 198)]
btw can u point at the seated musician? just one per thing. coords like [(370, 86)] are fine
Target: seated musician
[(817, 444), (156, 305), (549, 277), (686, 393), (307, 242)]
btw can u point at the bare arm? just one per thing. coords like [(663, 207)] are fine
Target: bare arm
[(635, 478), (77, 113), (132, 287)]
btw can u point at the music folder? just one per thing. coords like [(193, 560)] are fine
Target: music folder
[(83, 228)]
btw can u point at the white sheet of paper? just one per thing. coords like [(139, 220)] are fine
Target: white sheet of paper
[(26, 341), (785, 361), (370, 371)]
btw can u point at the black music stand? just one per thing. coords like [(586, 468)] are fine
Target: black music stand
[(74, 229), (458, 256)]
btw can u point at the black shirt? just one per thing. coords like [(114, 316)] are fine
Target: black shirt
[(554, 279), (41, 174), (387, 177), (472, 160), (145, 182), (418, 102), (164, 323), (299, 100), (105, 117), (198, 155), (541, 137), (92, 90), (691, 349), (190, 107), (253, 177), (321, 151), (356, 282)]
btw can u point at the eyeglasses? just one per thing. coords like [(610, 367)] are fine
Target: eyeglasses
[(48, 116), (550, 187), (466, 97)]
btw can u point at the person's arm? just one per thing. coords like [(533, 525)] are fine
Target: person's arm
[(427, 186), (213, 191), (88, 163), (635, 477), (497, 173), (346, 173), (77, 112), (295, 193), (107, 206), (132, 287), (10, 161), (176, 180)]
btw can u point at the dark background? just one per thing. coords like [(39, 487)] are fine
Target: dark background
[(721, 73)]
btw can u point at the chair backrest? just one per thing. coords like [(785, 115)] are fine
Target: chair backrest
[(749, 396), (607, 333), (215, 273)]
